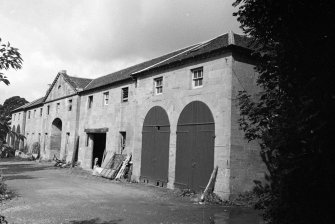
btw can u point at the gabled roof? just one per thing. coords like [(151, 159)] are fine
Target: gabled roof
[(76, 83), (126, 73), (218, 43), (34, 103)]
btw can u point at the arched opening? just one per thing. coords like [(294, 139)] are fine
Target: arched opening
[(56, 138), (155, 147), (17, 139), (195, 146), (12, 138)]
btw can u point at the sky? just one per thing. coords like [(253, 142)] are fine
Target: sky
[(94, 38)]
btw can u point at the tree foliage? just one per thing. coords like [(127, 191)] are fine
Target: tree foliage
[(293, 117), (5, 115), (10, 57)]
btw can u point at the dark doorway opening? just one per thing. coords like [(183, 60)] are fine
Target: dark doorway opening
[(56, 138), (99, 145)]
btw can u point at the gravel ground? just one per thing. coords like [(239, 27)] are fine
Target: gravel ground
[(45, 194)]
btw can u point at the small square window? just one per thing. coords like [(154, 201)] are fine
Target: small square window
[(197, 77), (70, 105), (90, 102), (106, 98), (158, 85), (124, 94)]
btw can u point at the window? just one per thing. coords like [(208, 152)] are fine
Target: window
[(14, 117), (124, 94), (106, 98), (29, 114), (70, 105), (57, 107), (197, 77), (48, 109), (19, 116), (41, 112), (90, 101), (158, 85)]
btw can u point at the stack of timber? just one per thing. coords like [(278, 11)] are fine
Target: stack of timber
[(113, 166), (122, 171)]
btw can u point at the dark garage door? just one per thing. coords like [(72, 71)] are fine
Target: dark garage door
[(155, 147), (195, 146)]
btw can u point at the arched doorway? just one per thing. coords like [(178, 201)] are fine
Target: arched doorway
[(12, 138), (56, 138), (195, 146), (17, 139), (155, 147)]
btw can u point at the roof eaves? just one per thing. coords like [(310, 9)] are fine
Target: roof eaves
[(194, 48)]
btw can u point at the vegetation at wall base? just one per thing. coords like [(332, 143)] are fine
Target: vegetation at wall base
[(293, 117)]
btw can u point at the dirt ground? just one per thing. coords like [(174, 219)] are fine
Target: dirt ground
[(45, 194)]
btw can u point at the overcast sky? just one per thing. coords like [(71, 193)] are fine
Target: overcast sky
[(95, 38)]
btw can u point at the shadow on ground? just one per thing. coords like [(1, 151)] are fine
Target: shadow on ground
[(96, 221), (16, 177), (16, 168)]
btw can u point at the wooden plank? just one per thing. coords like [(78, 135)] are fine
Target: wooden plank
[(123, 167)]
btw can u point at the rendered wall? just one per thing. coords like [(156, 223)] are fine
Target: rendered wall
[(245, 161)]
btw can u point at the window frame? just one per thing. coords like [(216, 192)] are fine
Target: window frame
[(105, 98), (90, 102), (158, 86), (197, 81), (69, 108), (123, 98)]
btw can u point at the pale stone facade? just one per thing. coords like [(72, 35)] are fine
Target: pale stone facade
[(98, 111)]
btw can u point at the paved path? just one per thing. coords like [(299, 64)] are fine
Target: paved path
[(53, 195)]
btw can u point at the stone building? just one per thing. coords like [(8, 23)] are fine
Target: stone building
[(177, 114)]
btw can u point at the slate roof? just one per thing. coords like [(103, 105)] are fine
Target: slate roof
[(206, 47), (76, 82), (216, 44), (31, 104), (124, 74)]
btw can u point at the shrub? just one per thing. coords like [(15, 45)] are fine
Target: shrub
[(36, 148)]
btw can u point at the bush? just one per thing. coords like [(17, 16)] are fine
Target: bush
[(36, 148)]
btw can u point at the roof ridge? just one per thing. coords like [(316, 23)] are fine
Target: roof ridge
[(196, 46)]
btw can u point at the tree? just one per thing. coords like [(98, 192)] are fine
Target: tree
[(5, 114), (293, 117), (9, 58)]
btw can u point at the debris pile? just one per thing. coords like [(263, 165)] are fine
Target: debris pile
[(114, 166), (61, 163)]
